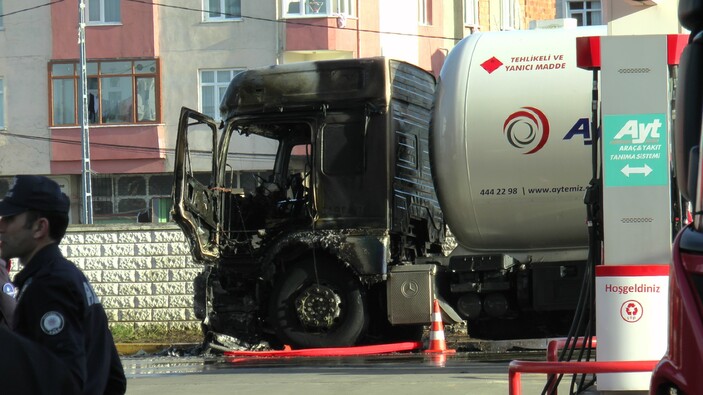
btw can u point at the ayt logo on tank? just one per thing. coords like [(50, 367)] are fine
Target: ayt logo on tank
[(527, 129)]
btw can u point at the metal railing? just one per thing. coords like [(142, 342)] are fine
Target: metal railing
[(552, 366)]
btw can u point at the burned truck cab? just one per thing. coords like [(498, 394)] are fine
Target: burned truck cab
[(348, 193)]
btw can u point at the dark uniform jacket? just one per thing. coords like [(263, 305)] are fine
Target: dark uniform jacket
[(57, 308), (7, 297), (29, 368)]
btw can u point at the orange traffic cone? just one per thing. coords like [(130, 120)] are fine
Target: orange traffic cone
[(437, 342)]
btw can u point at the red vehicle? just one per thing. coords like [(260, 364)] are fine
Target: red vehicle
[(679, 370)]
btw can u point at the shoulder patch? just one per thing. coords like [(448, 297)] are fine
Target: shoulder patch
[(52, 323), (9, 289)]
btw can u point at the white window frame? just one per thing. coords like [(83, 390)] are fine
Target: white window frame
[(2, 104), (221, 16), (423, 12), (217, 84), (507, 15), (103, 18), (586, 14), (345, 7), (103, 84), (471, 13), (299, 9)]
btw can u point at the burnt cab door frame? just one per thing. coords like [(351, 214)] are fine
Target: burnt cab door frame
[(195, 205)]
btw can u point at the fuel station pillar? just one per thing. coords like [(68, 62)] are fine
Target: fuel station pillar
[(632, 285)]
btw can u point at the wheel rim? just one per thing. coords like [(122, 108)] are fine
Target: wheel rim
[(318, 307)]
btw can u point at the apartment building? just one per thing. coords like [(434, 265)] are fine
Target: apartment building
[(148, 58)]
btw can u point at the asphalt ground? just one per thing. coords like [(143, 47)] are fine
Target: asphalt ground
[(477, 367), (396, 373)]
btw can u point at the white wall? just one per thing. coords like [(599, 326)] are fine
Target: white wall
[(25, 49), (628, 17), (187, 44), (143, 274), (399, 16)]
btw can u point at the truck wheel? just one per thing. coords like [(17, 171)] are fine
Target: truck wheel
[(307, 313)]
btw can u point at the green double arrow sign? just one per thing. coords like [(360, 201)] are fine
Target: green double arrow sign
[(635, 150)]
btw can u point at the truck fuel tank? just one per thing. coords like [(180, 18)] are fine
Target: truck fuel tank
[(511, 138)]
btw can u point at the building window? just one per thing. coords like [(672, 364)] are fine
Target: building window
[(345, 7), (213, 85), (586, 12), (471, 13), (222, 10), (424, 12), (103, 11), (311, 8), (2, 104), (131, 198), (508, 15), (119, 92)]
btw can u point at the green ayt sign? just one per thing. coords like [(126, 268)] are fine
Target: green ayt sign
[(635, 150)]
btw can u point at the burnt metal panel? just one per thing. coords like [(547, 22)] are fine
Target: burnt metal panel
[(356, 196), (364, 250), (334, 83), (414, 197)]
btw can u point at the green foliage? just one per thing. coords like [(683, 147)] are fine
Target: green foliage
[(123, 333), (128, 333)]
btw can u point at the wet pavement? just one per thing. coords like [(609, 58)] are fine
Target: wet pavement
[(402, 373), (477, 367), (140, 366)]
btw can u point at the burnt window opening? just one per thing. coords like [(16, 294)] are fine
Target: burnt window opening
[(343, 149)]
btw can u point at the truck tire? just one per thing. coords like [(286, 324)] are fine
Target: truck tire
[(309, 314)]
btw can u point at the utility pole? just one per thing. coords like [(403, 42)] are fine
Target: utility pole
[(87, 189)]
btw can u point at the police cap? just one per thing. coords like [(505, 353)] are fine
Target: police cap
[(36, 193)]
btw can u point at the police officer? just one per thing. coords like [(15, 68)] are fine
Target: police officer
[(56, 305)]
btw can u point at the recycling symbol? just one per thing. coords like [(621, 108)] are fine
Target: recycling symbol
[(631, 311)]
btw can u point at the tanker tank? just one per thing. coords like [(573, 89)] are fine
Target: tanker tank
[(511, 143)]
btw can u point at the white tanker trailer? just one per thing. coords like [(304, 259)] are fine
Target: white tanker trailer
[(511, 144), (342, 241)]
